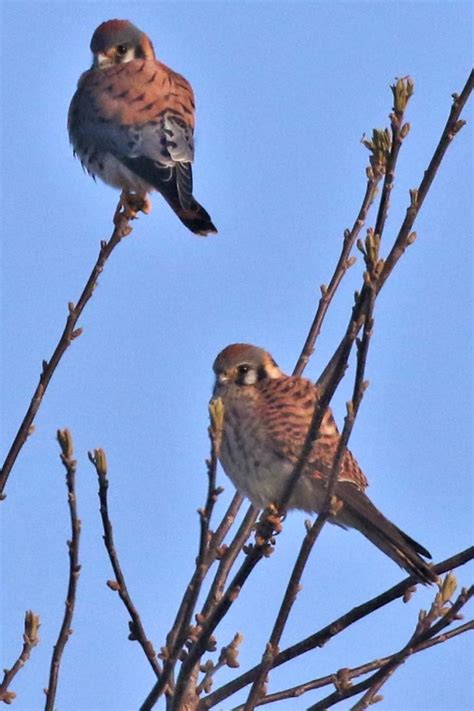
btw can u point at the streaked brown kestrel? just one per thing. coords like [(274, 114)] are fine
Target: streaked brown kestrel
[(131, 122), (266, 417)]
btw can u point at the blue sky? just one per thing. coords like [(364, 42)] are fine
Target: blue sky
[(285, 91)]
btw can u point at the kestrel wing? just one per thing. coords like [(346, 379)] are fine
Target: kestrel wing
[(289, 405), (140, 109)]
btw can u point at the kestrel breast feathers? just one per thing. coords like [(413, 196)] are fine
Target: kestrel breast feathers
[(266, 418), (131, 122)]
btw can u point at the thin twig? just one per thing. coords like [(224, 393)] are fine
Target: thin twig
[(451, 129), (226, 523), (30, 640), (208, 554), (374, 174), (441, 614), (345, 675), (374, 682), (260, 549), (216, 593), (67, 451), (227, 560), (137, 631), (179, 631), (122, 217), (322, 636), (405, 236)]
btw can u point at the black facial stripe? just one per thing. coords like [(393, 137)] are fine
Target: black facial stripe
[(242, 373)]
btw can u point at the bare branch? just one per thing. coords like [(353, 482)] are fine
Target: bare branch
[(179, 632), (228, 557), (322, 636), (255, 552), (226, 523), (344, 676), (30, 640), (405, 236), (67, 451), (122, 217), (137, 631), (375, 682), (452, 128), (374, 174)]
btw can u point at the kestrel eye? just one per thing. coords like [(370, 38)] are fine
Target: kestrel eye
[(122, 49), (243, 369)]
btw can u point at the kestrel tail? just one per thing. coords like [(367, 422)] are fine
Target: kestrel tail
[(131, 123), (266, 417)]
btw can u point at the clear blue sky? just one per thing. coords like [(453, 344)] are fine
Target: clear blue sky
[(284, 92)]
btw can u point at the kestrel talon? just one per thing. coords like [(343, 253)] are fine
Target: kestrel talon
[(266, 417), (131, 123)]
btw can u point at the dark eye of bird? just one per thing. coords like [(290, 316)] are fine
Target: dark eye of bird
[(122, 49), (243, 369)]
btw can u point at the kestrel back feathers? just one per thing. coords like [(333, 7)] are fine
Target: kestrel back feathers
[(131, 122), (266, 418)]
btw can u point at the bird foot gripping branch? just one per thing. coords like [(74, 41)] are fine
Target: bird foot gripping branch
[(133, 203), (268, 526)]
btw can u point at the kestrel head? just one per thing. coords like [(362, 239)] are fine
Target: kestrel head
[(117, 42), (244, 364)]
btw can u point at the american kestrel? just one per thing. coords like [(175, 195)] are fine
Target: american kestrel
[(266, 417), (131, 122)]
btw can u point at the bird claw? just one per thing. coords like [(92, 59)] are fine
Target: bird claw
[(133, 203)]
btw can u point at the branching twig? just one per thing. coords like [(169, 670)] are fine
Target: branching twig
[(452, 128), (322, 636), (345, 261), (375, 682), (137, 631), (67, 451), (180, 629), (344, 676), (228, 557), (261, 548), (209, 550), (122, 217), (405, 236), (30, 640), (226, 523)]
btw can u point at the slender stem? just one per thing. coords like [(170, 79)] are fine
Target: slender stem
[(322, 636), (375, 682), (30, 640), (179, 632), (122, 229), (227, 561), (137, 631), (404, 237), (66, 444), (346, 675), (343, 264), (255, 553), (452, 127), (226, 523)]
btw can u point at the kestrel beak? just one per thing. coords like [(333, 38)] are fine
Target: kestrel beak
[(100, 59)]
